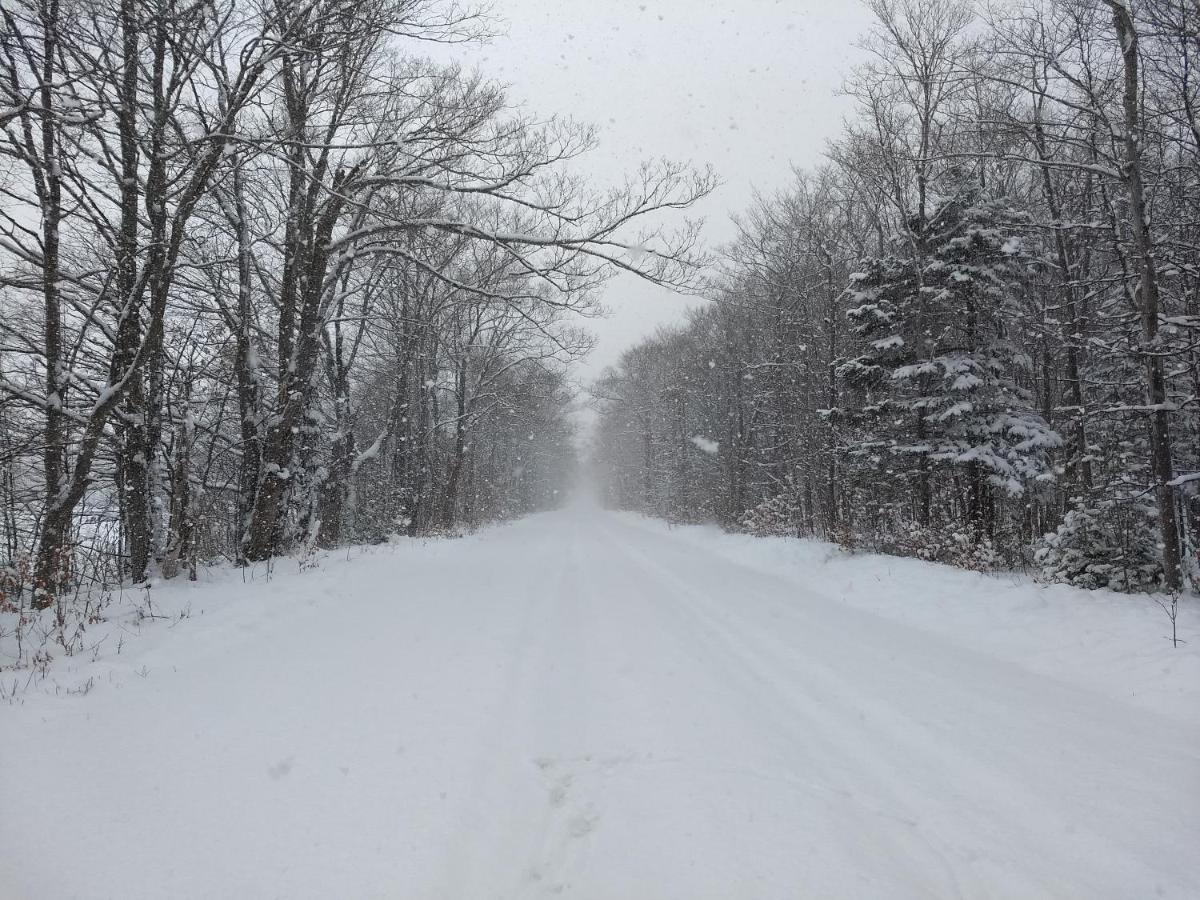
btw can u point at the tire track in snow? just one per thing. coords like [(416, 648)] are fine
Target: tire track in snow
[(1013, 823), (781, 718), (523, 830)]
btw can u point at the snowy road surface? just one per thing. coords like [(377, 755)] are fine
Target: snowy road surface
[(584, 705)]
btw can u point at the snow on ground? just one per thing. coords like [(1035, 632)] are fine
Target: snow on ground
[(1097, 639), (592, 705)]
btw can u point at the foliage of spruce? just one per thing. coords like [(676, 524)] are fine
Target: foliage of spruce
[(1106, 545)]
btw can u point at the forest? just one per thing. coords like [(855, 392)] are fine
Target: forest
[(972, 334), (274, 279), (271, 279)]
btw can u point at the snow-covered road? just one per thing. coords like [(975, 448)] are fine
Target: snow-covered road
[(588, 706)]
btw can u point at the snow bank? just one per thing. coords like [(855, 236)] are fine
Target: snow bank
[(1118, 644), (140, 629)]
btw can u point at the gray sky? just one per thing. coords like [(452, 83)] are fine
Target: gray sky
[(749, 87)]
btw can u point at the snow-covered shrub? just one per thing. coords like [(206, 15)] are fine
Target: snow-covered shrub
[(911, 539), (969, 552), (14, 579), (1110, 545), (953, 546), (775, 516)]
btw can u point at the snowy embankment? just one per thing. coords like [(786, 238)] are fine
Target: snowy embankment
[(1118, 644), (161, 626), (593, 705)]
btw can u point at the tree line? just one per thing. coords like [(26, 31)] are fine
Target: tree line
[(271, 278), (973, 333)]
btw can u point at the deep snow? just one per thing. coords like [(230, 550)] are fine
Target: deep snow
[(594, 705)]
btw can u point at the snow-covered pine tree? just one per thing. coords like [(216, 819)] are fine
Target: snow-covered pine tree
[(942, 380), (1109, 544)]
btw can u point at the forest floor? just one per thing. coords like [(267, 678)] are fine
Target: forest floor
[(593, 705)]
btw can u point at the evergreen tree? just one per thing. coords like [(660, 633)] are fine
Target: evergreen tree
[(943, 381)]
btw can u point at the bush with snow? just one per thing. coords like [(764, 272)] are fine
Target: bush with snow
[(956, 546), (1107, 545), (773, 517)]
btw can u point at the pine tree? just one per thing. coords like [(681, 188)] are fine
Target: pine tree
[(942, 379)]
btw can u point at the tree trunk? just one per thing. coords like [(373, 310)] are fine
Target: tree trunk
[(424, 457), (1148, 297), (306, 289), (182, 525), (1078, 465), (51, 568), (246, 370), (450, 501)]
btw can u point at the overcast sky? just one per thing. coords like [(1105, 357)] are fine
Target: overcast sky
[(750, 87)]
